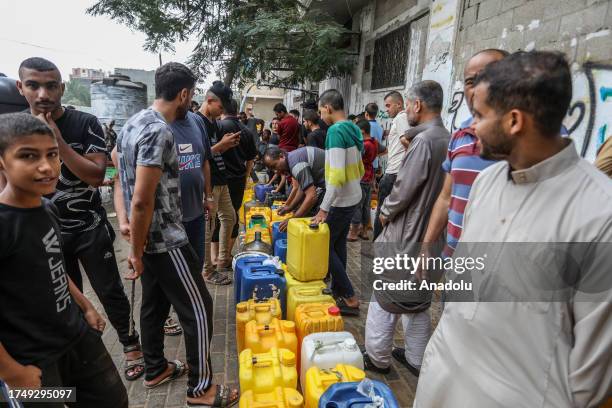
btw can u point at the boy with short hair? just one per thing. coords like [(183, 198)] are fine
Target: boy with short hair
[(343, 171), (45, 339)]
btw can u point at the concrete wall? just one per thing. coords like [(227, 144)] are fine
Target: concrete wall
[(579, 28), (262, 107), (375, 20)]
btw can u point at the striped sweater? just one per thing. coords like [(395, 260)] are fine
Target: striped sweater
[(343, 165)]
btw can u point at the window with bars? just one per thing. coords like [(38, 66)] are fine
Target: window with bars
[(390, 58)]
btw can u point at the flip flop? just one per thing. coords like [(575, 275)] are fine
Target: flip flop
[(399, 353), (179, 370), (222, 399)]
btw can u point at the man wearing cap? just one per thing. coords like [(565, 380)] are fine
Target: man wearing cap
[(217, 99)]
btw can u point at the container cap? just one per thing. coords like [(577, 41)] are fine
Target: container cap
[(334, 311), (287, 358), (257, 216), (313, 226), (350, 343)]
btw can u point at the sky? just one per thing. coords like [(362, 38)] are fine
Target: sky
[(61, 31)]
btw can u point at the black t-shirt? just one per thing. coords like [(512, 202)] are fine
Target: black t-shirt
[(39, 319), (79, 204), (217, 164), (236, 157), (316, 138)]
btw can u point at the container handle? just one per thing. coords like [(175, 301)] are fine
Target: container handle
[(265, 363)]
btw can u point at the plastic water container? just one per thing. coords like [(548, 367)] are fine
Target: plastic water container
[(241, 264), (328, 349), (265, 211), (276, 233), (307, 249), (261, 338), (312, 292), (346, 395), (279, 398), (261, 312), (277, 204), (263, 282), (317, 317), (318, 380), (261, 190), (263, 372), (258, 219), (276, 217), (251, 236), (246, 207), (280, 249), (291, 281)]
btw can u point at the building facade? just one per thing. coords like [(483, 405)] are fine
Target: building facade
[(405, 41)]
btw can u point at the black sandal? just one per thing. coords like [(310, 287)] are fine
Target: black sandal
[(179, 370), (399, 354), (172, 328), (346, 310), (136, 366), (217, 278), (222, 399)]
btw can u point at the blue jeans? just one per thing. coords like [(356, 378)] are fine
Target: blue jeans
[(339, 222), (195, 230)]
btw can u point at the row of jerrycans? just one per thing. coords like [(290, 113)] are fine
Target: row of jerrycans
[(327, 358), (264, 329)]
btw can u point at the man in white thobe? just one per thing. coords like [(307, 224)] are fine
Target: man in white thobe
[(533, 351)]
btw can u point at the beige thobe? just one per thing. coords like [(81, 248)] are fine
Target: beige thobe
[(526, 353)]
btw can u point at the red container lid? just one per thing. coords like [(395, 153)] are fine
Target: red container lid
[(334, 311)]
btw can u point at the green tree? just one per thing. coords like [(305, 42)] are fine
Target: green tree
[(76, 93), (277, 42)]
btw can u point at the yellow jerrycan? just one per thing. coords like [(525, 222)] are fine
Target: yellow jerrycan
[(265, 371), (260, 311), (291, 281), (261, 338), (265, 211), (319, 380), (316, 318), (279, 398), (313, 292), (307, 249), (249, 236)]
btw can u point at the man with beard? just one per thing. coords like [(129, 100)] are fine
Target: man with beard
[(87, 235), (551, 348), (149, 192)]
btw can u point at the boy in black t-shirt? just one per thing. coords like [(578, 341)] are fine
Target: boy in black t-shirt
[(50, 333), (87, 235)]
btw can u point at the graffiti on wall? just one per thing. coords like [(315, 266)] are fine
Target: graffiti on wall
[(589, 118)]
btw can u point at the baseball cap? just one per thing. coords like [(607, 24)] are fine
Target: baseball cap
[(223, 92)]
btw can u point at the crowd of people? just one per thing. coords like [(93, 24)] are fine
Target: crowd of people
[(506, 175)]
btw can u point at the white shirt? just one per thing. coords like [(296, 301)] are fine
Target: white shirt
[(529, 352), (395, 149)]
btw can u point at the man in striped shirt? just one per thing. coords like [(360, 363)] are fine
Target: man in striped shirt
[(343, 173), (463, 164)]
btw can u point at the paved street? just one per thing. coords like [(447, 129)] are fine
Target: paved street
[(224, 355)]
